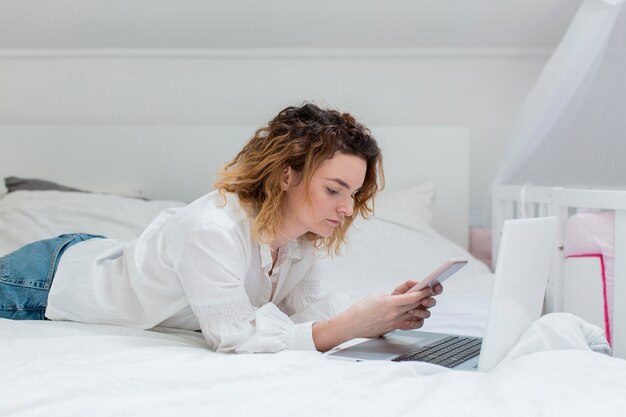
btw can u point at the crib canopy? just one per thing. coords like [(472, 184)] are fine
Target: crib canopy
[(572, 127)]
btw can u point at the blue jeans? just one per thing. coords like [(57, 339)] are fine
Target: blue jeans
[(26, 276)]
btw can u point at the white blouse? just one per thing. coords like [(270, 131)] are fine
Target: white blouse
[(196, 267)]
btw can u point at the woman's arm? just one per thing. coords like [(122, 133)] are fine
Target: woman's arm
[(375, 316)]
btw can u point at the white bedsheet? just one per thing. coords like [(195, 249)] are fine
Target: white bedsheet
[(71, 369)]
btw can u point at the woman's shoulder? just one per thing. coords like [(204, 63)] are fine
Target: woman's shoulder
[(215, 211), (207, 219)]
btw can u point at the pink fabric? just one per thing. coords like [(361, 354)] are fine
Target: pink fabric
[(593, 234), (480, 244)]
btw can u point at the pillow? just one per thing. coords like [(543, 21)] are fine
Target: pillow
[(27, 216), (57, 212), (33, 184), (410, 207)]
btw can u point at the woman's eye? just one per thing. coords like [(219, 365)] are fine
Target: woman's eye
[(331, 191)]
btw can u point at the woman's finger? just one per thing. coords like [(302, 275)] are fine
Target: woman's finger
[(404, 287), (429, 302), (411, 298), (410, 324), (417, 314)]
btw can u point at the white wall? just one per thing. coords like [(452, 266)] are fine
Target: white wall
[(481, 90)]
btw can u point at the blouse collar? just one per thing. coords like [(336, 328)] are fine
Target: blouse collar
[(291, 250)]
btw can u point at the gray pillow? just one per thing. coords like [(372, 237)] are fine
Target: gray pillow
[(34, 184)]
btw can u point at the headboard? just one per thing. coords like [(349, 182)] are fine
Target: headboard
[(180, 162)]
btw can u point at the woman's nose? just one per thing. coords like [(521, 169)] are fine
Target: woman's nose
[(347, 208)]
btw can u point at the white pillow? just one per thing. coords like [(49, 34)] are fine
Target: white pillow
[(27, 216), (410, 207)]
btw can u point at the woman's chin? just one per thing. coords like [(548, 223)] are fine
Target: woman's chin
[(327, 232)]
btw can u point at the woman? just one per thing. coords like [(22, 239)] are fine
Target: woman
[(238, 263)]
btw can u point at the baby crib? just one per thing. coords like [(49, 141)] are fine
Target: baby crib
[(577, 283)]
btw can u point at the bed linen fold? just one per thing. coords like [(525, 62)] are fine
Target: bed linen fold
[(559, 331)]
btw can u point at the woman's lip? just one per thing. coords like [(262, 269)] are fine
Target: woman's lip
[(334, 222)]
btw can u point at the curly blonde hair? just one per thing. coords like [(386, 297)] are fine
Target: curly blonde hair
[(301, 138)]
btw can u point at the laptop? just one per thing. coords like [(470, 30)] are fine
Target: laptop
[(521, 277)]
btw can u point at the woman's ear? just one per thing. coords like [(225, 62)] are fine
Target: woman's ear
[(286, 178)]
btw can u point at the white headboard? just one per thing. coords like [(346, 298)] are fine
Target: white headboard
[(180, 163)]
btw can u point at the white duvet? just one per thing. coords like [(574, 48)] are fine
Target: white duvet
[(71, 369)]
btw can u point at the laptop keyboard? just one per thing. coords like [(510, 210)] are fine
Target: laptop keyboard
[(448, 352)]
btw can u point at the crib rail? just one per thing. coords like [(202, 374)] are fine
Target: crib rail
[(515, 201)]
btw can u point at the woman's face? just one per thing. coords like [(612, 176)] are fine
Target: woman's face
[(331, 190)]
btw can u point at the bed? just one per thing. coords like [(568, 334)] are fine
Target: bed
[(64, 368), (589, 265)]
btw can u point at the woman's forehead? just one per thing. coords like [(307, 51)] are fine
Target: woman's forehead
[(349, 169)]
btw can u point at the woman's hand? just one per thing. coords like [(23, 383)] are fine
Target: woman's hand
[(417, 315), (380, 314), (404, 287), (377, 315)]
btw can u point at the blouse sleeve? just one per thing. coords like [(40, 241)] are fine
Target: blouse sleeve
[(305, 303), (212, 266)]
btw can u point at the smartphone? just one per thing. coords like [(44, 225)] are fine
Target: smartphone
[(440, 274)]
